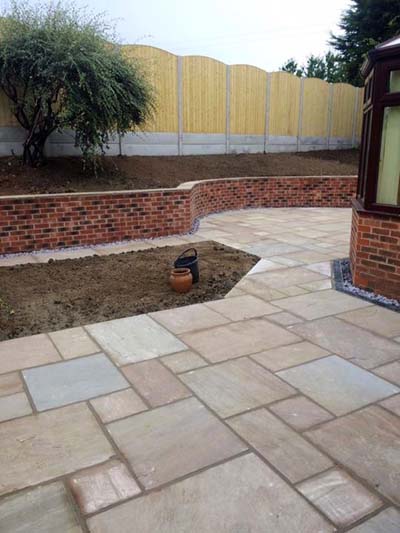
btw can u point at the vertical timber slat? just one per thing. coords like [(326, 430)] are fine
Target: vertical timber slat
[(267, 110), (228, 110), (354, 132), (330, 115), (180, 105)]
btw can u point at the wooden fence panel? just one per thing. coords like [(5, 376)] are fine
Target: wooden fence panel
[(284, 104), (248, 89), (344, 99), (161, 67), (204, 95), (315, 108)]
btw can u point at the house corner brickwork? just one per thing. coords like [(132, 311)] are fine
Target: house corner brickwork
[(375, 252)]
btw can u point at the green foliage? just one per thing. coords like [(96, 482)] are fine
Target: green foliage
[(292, 66), (63, 69), (364, 24), (327, 67)]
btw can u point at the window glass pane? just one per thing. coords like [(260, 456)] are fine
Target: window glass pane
[(389, 164), (394, 81)]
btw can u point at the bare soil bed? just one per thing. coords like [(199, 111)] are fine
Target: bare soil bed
[(148, 172), (37, 298)]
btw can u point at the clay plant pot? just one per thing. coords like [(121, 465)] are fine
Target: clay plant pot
[(181, 279)]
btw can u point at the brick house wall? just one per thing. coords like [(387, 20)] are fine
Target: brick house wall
[(375, 252), (38, 222)]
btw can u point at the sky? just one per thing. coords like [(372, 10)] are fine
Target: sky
[(263, 33)]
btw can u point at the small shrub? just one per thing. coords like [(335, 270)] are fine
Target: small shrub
[(62, 68)]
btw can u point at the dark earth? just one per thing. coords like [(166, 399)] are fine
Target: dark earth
[(36, 298), (148, 172)]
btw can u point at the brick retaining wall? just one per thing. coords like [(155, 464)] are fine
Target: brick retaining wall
[(59, 220), (375, 252)]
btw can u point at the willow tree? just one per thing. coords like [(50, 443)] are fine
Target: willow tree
[(62, 68)]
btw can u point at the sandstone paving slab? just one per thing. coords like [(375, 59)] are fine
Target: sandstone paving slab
[(252, 285), (166, 443), (323, 267), (393, 404), (320, 304), (293, 290), (310, 233), (242, 495), (10, 384), (269, 248), (102, 485), (38, 448), (279, 279), (26, 352), (338, 385), (286, 261), (57, 255), (118, 405), (300, 412), (133, 339), (341, 498), (242, 307), (351, 342), (16, 259), (236, 386), (238, 338), (72, 381), (108, 249), (320, 285), (73, 342), (41, 510), (183, 361), (285, 449), (264, 265), (309, 257), (375, 318), (391, 372), (387, 521), (234, 292), (290, 355), (14, 406), (188, 318), (155, 383), (292, 238), (285, 319), (366, 442)]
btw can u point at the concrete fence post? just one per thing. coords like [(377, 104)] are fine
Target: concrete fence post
[(228, 110), (300, 123), (180, 104), (330, 116), (267, 110), (355, 118)]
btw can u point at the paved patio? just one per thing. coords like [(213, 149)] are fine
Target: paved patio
[(276, 409)]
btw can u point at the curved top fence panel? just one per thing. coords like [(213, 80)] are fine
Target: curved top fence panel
[(162, 69), (248, 89), (204, 95)]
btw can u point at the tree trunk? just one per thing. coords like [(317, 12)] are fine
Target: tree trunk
[(33, 154)]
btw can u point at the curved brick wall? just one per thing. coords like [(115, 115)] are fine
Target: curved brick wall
[(50, 221), (375, 252)]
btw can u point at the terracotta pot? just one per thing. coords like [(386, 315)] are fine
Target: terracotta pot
[(181, 279)]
